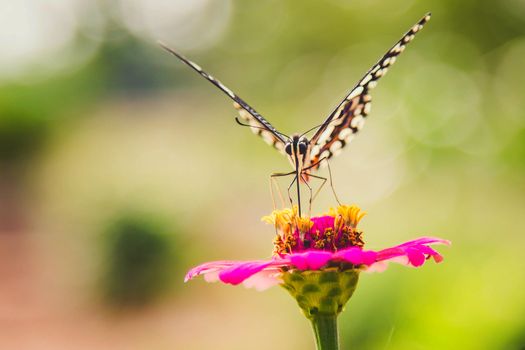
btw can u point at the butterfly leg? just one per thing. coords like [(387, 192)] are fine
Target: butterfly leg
[(273, 182), (290, 196), (323, 179), (274, 175), (304, 171), (332, 183)]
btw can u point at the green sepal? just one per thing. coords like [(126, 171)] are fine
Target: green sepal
[(321, 292)]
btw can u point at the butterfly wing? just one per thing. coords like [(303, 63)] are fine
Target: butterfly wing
[(260, 126), (349, 116)]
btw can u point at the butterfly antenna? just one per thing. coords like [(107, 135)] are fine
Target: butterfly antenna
[(258, 127), (312, 129), (318, 126)]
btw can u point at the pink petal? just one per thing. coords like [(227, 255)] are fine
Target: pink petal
[(211, 276), (357, 256), (379, 266), (208, 268), (413, 252), (243, 270), (235, 272), (310, 260), (263, 280), (415, 256), (425, 240), (437, 257)]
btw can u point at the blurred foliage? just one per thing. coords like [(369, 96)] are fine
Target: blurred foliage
[(139, 261), (20, 136), (29, 112), (134, 75)]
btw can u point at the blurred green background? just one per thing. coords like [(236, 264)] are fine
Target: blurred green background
[(120, 169)]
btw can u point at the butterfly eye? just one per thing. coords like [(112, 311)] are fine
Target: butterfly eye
[(288, 149), (302, 148)]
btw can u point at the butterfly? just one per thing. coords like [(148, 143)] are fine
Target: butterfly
[(338, 129)]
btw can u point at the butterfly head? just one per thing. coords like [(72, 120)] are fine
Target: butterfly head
[(296, 145)]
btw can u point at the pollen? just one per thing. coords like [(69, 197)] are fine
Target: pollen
[(350, 214), (334, 231), (304, 225), (282, 219)]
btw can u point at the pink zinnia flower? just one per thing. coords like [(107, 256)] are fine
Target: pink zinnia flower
[(318, 261), (317, 243)]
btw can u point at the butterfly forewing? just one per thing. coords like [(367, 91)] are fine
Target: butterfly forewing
[(260, 126), (349, 116)]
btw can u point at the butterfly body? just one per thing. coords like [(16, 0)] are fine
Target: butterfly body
[(297, 148)]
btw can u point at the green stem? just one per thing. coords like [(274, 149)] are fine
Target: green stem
[(325, 330)]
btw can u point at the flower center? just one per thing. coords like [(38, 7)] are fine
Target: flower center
[(334, 231)]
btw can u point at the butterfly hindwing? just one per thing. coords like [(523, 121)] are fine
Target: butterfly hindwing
[(349, 116), (268, 134)]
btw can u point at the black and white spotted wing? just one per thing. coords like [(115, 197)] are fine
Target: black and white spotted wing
[(261, 126), (349, 116), (340, 126)]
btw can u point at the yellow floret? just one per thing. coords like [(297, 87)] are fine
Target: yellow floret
[(351, 214)]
